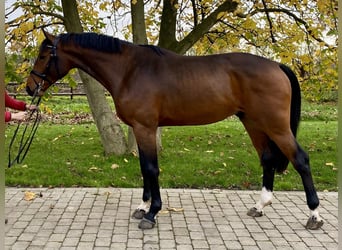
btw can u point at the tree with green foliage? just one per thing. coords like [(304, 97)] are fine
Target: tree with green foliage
[(302, 34)]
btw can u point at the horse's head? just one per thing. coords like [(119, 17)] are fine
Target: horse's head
[(48, 67)]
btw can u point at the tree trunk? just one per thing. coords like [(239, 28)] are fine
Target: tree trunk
[(112, 136), (167, 33)]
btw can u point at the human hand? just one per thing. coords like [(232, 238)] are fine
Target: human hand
[(31, 107), (19, 116)]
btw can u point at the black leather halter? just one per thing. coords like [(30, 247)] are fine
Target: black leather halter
[(43, 75)]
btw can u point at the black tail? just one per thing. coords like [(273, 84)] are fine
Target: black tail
[(281, 160), (295, 100)]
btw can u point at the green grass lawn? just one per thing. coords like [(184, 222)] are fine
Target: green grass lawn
[(219, 155)]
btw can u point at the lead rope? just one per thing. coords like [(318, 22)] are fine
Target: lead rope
[(25, 145)]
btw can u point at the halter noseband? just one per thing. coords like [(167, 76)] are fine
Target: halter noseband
[(43, 76)]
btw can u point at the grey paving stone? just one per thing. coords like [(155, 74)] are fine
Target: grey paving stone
[(100, 218)]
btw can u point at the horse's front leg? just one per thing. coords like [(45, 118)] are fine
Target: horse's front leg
[(145, 204), (146, 140)]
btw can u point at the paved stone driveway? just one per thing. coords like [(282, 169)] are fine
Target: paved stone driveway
[(90, 218)]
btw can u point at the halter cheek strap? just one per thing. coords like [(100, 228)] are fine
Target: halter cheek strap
[(43, 76), (53, 54)]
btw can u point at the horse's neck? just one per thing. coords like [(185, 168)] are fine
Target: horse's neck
[(102, 67)]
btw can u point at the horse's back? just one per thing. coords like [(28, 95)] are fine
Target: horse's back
[(227, 84)]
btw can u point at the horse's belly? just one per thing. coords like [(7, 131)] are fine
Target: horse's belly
[(197, 115)]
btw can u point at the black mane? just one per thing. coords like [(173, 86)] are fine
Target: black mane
[(100, 42), (93, 41), (156, 49)]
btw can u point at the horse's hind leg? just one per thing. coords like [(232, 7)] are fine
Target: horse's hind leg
[(268, 161), (300, 160), (272, 159), (302, 166)]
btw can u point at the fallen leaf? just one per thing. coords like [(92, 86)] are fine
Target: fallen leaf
[(246, 184), (125, 160), (107, 193), (93, 169), (56, 138), (115, 166), (173, 209), (329, 164), (29, 196)]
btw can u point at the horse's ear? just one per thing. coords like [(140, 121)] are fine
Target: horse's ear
[(48, 36)]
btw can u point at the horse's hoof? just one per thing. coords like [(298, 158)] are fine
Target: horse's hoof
[(253, 212), (146, 224), (138, 214), (313, 223)]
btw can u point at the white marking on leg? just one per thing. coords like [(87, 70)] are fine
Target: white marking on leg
[(315, 214), (265, 199), (144, 206)]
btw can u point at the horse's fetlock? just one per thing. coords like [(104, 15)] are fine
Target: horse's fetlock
[(156, 206), (313, 201)]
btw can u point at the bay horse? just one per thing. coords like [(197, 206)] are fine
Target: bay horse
[(153, 87)]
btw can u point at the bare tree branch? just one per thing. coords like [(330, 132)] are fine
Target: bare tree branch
[(203, 27), (40, 11), (290, 14), (269, 22), (45, 13), (11, 38), (242, 35), (194, 10), (9, 12)]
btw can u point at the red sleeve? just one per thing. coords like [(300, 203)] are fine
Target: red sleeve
[(7, 116), (14, 104)]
